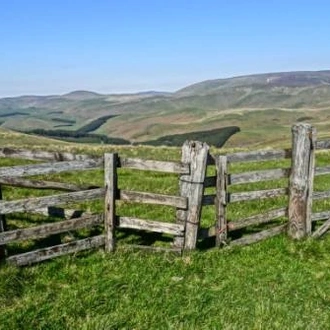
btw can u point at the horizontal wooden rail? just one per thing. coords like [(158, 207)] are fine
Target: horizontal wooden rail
[(49, 229), (257, 237), (322, 230), (256, 176), (154, 165), (30, 204), (322, 170), (259, 194), (154, 226), (257, 219), (49, 168), (151, 248), (323, 144), (320, 215), (260, 155), (151, 198), (40, 184), (254, 156), (41, 155), (321, 194), (56, 251)]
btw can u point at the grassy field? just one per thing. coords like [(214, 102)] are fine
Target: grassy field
[(276, 284)]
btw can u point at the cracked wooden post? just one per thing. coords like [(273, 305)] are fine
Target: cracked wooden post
[(110, 180), (3, 228), (221, 200), (192, 186), (301, 180)]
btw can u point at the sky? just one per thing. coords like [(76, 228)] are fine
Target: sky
[(54, 47)]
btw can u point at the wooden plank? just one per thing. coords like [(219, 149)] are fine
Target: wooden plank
[(257, 237), (151, 198), (49, 229), (3, 228), (320, 215), (221, 200), (256, 176), (149, 225), (322, 230), (153, 248), (323, 144), (192, 186), (322, 170), (40, 184), (49, 168), (56, 251), (258, 194), (259, 155), (30, 204), (111, 187), (41, 155), (321, 194), (154, 165), (301, 180), (257, 219)]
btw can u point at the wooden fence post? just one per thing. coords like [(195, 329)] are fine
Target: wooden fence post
[(110, 180), (3, 228), (301, 180), (192, 186), (221, 200)]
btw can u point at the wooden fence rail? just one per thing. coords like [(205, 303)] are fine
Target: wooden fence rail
[(295, 215)]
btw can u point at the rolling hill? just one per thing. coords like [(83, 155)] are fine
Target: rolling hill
[(262, 106)]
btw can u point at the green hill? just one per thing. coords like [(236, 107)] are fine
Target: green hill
[(263, 106)]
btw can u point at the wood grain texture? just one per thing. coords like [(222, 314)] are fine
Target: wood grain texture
[(41, 155), (257, 219), (49, 229), (301, 180), (254, 238), (56, 251), (152, 198), (111, 187), (49, 168), (30, 204), (150, 225), (256, 176), (322, 230), (323, 144), (154, 165), (40, 184), (320, 215), (192, 187), (3, 228), (259, 155), (221, 200), (258, 194)]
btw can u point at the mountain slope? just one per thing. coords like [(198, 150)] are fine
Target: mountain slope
[(273, 101)]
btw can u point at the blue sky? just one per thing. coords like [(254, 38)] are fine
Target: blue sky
[(53, 47)]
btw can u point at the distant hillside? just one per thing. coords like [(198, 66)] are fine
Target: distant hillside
[(260, 105)]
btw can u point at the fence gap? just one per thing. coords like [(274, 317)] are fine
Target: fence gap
[(221, 200), (110, 181), (194, 153), (301, 180)]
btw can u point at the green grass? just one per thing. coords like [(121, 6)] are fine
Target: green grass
[(275, 284)]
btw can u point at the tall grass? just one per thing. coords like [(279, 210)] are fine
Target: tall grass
[(275, 284)]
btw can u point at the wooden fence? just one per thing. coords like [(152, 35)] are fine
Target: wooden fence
[(295, 215)]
